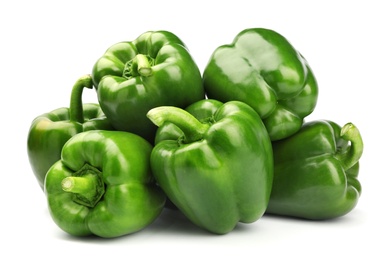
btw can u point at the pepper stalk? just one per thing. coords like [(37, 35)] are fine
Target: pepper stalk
[(76, 105), (192, 128), (352, 155), (86, 184), (140, 65)]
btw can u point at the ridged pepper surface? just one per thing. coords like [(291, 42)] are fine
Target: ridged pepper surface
[(217, 168), (261, 68), (132, 77), (103, 185), (316, 171)]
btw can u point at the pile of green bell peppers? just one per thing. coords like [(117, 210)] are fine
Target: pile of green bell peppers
[(223, 147)]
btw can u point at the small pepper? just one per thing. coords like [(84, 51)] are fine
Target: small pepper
[(50, 131), (262, 69), (216, 169), (316, 170), (153, 70), (103, 185)]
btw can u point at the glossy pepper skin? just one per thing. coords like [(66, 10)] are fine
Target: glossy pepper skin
[(103, 185), (316, 170), (153, 70), (262, 69), (50, 131), (216, 170)]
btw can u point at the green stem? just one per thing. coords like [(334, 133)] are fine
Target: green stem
[(141, 65), (351, 133), (76, 112), (78, 185), (86, 185), (193, 129)]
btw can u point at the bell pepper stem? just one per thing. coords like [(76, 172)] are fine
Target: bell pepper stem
[(76, 112), (192, 128), (350, 157), (86, 185), (78, 184), (141, 65)]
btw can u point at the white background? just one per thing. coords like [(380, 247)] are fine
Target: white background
[(46, 45)]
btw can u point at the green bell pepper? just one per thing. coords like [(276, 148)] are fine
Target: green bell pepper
[(217, 170), (316, 170), (103, 185), (49, 132), (153, 70), (262, 69)]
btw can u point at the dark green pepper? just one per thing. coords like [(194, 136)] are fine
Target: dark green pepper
[(103, 185), (153, 70), (49, 132), (262, 69), (316, 170), (216, 169)]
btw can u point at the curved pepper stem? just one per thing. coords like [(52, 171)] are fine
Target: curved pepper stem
[(192, 128), (76, 112), (351, 133), (86, 185)]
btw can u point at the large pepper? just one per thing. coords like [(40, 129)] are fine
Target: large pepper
[(49, 132), (216, 170), (153, 70), (103, 185), (316, 170), (262, 69)]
